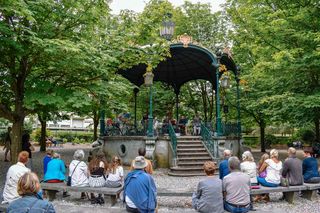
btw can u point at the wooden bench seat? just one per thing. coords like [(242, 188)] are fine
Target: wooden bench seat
[(52, 188), (307, 191)]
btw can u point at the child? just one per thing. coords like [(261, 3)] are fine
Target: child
[(264, 157), (115, 176)]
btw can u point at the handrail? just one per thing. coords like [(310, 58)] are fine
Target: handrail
[(173, 139), (211, 145)]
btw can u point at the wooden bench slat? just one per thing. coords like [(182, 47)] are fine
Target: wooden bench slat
[(264, 190), (62, 186), (312, 186)]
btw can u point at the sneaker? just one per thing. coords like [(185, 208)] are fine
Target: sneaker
[(100, 200), (93, 201), (65, 194), (6, 160)]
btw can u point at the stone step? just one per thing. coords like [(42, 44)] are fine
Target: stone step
[(191, 163), (185, 174), (205, 158), (189, 142), (182, 149), (190, 146), (189, 137), (189, 168), (182, 154)]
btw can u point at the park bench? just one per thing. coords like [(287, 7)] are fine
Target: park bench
[(307, 191), (52, 188)]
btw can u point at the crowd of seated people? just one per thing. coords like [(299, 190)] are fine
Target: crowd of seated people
[(230, 191)]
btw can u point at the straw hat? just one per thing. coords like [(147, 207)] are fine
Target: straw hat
[(140, 163)]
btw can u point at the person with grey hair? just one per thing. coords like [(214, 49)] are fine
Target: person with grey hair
[(223, 166), (236, 188), (249, 167), (292, 168), (78, 171)]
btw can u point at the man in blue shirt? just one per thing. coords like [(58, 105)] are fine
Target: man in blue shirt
[(310, 167), (46, 160), (140, 192), (223, 166)]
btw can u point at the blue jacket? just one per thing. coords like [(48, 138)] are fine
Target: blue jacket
[(46, 160), (141, 189), (31, 204), (56, 170), (223, 169), (310, 168)]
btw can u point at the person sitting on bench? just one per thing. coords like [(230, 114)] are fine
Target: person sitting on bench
[(236, 188), (56, 170), (310, 167), (31, 200)]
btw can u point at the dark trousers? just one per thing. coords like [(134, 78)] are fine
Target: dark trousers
[(129, 209)]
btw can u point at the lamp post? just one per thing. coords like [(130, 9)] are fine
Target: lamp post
[(167, 28), (238, 103), (148, 81), (135, 91), (102, 118)]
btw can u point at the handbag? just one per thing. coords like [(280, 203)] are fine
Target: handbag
[(284, 182), (70, 177)]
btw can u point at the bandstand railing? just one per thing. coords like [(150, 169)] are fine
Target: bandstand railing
[(210, 144), (173, 139), (230, 129)]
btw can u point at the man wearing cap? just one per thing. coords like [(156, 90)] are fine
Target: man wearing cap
[(140, 192)]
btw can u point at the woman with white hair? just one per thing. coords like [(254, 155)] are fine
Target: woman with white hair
[(249, 167), (78, 171)]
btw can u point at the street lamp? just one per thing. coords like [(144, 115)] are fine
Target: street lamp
[(148, 81), (167, 28), (225, 80)]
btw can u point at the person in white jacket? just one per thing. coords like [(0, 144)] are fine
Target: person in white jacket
[(10, 192), (78, 171)]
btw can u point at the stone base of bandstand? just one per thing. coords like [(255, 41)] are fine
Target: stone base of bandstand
[(158, 149)]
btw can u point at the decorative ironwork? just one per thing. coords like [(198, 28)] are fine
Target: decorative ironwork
[(173, 139), (185, 39), (208, 142), (125, 130), (230, 129)]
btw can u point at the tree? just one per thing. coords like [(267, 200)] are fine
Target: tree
[(276, 43), (48, 40)]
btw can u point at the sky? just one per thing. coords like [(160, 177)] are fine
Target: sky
[(138, 5)]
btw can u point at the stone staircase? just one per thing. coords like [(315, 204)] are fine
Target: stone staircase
[(191, 155)]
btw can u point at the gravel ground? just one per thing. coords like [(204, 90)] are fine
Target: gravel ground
[(166, 204)]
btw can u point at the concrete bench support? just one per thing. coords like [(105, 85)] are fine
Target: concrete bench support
[(288, 196), (307, 194)]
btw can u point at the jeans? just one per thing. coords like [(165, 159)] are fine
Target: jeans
[(233, 209), (263, 182), (313, 180)]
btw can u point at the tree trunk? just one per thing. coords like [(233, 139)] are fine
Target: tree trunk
[(43, 135), (95, 125), (16, 140), (317, 130), (262, 125)]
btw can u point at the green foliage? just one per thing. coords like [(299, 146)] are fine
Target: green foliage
[(83, 137), (305, 134), (36, 134)]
